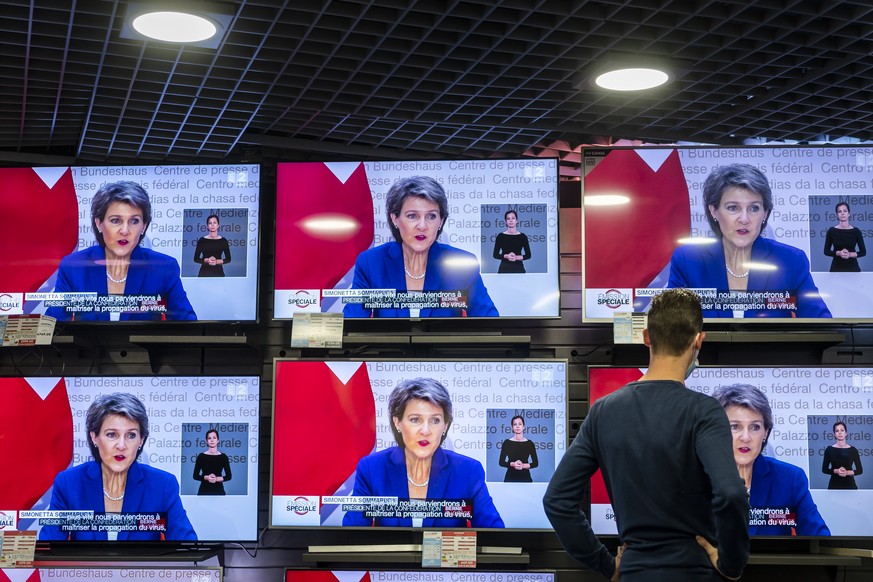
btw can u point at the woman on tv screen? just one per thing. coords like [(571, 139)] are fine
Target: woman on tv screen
[(844, 243), (416, 264), (212, 251), (767, 278), (130, 282), (115, 482), (212, 467), (841, 460), (419, 468), (511, 247), (518, 454), (773, 485)]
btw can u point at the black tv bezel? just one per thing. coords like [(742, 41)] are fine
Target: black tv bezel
[(412, 529), (176, 323), (755, 321), (399, 570), (757, 539), (557, 257), (86, 547)]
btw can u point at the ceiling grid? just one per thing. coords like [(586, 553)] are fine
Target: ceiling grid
[(428, 78)]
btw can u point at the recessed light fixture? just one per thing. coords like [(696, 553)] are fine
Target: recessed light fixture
[(173, 26), (632, 79), (193, 23)]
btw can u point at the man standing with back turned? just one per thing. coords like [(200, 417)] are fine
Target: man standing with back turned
[(666, 457)]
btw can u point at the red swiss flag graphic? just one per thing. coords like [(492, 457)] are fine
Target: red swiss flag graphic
[(29, 258), (602, 382), (322, 426), (627, 245), (36, 440), (322, 224)]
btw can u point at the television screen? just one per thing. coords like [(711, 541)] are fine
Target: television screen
[(414, 576), (474, 238), (109, 574), (809, 478), (470, 443), (185, 470), (130, 243), (767, 240)]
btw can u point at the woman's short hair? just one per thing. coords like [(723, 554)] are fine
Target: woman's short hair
[(842, 203), (211, 430), (746, 396), (736, 176), (117, 403), (838, 423), (420, 187), (211, 216), (124, 191), (426, 389), (508, 212), (518, 416)]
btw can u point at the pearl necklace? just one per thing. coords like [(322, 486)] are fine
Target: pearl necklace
[(409, 477), (123, 279), (732, 274), (411, 276), (111, 498)]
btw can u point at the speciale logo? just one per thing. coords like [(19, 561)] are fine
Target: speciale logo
[(613, 298), (303, 299)]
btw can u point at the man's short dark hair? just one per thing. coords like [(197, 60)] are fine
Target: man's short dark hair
[(675, 318)]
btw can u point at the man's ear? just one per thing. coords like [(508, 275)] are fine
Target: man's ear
[(646, 338)]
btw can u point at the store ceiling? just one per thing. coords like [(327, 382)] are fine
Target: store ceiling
[(418, 79)]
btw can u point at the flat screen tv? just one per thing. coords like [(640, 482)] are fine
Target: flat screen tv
[(45, 432), (329, 416), (649, 224), (109, 574), (338, 249), (430, 575), (796, 488), (168, 242)]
